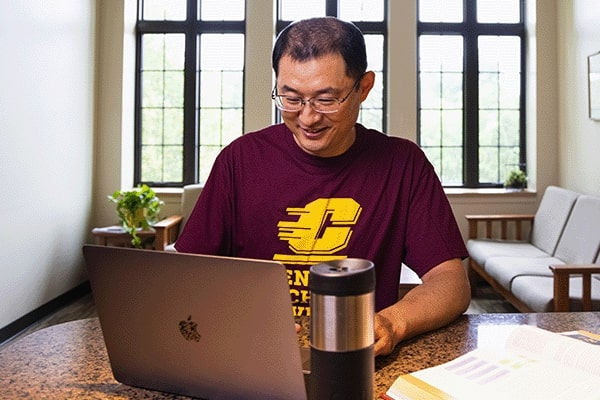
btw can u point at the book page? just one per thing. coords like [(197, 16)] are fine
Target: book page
[(543, 344), (514, 371), (498, 376)]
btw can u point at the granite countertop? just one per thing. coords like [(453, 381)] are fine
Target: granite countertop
[(70, 360)]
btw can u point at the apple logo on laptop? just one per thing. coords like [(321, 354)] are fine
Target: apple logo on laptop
[(188, 329)]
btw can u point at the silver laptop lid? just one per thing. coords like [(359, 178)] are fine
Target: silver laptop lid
[(202, 326)]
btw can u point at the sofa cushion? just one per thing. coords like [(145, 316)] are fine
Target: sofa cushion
[(482, 249), (551, 216), (537, 292), (505, 269), (189, 197), (580, 240)]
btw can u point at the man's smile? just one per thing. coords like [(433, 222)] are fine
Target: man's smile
[(312, 133)]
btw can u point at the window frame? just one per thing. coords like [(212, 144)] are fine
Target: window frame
[(192, 27), (470, 30)]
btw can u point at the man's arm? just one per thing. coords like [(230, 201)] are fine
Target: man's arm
[(442, 297)]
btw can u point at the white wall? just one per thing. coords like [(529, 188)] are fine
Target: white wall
[(46, 125), (579, 137), (115, 66)]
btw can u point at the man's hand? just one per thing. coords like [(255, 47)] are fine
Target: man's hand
[(442, 297), (390, 329), (384, 336)]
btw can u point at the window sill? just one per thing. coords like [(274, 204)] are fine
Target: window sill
[(465, 192), (448, 191), (167, 190)]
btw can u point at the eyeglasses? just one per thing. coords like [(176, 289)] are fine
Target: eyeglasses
[(324, 105)]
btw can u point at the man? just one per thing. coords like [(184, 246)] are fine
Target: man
[(321, 187)]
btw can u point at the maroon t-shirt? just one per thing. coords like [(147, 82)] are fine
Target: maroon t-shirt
[(381, 200)]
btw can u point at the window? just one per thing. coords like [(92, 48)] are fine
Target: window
[(471, 113), (189, 88), (190, 78), (370, 17)]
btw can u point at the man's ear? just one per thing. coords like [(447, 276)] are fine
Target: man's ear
[(366, 84)]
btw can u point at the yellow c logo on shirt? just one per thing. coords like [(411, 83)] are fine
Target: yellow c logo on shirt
[(323, 227)]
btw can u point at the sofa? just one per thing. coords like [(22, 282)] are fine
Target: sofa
[(168, 229), (548, 261)]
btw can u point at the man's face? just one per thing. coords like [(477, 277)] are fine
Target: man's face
[(323, 135)]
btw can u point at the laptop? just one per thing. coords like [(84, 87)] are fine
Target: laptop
[(202, 326)]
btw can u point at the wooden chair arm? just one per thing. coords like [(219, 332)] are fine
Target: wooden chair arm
[(166, 231), (561, 284), (502, 219)]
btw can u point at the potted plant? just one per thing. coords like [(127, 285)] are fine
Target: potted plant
[(516, 180), (137, 209)]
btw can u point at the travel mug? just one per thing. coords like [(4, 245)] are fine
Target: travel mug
[(342, 330)]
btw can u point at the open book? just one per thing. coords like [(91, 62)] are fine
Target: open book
[(527, 363)]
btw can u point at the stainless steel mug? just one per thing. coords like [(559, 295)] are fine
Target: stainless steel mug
[(342, 329)]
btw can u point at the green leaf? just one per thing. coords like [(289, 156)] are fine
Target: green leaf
[(136, 208)]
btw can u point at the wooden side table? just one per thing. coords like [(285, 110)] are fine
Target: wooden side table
[(116, 235)]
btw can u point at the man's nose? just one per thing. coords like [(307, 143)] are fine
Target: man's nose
[(307, 113)]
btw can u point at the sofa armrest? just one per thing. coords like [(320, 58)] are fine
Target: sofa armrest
[(503, 220), (167, 231), (562, 274)]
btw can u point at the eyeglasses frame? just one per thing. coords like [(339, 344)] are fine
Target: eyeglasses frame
[(309, 101)]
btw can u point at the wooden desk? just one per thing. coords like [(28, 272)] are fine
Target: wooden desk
[(117, 236), (70, 361)]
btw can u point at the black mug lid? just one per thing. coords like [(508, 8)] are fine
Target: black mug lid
[(345, 277)]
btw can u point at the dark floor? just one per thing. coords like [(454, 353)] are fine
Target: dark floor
[(79, 309), (486, 301)]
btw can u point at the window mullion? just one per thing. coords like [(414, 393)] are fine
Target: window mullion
[(522, 105), (190, 99), (471, 100), (331, 8), (190, 131), (137, 167)]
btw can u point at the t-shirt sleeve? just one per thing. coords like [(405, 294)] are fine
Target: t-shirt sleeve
[(433, 235)]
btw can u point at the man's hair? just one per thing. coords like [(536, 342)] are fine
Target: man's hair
[(316, 37)]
